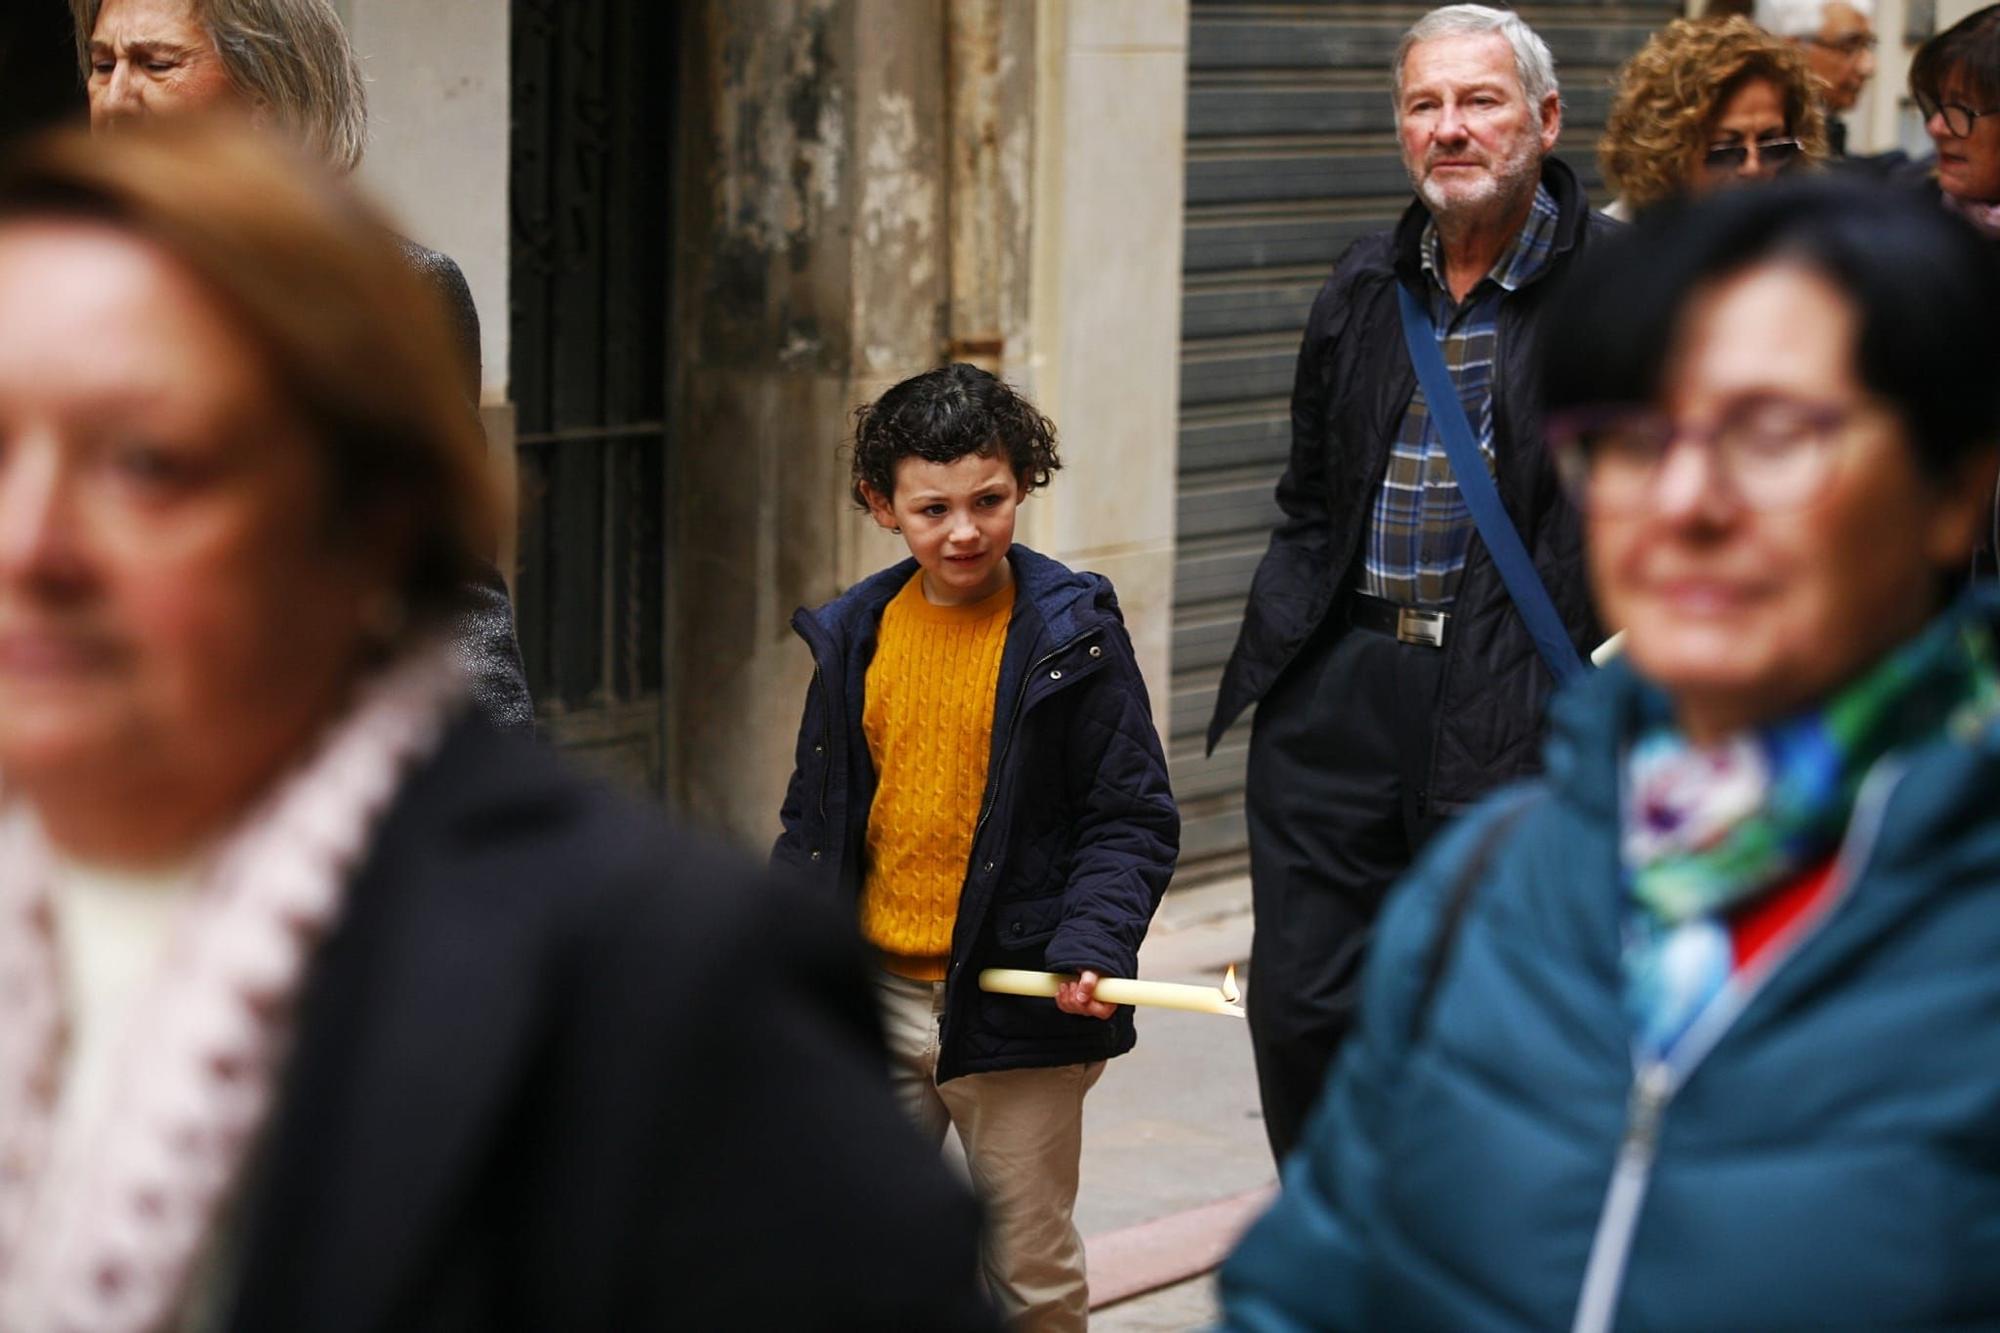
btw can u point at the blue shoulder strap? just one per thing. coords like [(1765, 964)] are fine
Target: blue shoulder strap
[(1517, 571)]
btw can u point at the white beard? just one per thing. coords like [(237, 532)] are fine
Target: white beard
[(1485, 196)]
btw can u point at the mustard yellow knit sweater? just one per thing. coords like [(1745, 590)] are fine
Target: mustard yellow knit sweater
[(928, 717)]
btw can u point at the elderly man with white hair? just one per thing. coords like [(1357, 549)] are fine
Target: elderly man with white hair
[(287, 65), (1838, 40), (1398, 649)]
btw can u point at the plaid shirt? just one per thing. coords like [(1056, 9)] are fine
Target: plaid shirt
[(1420, 528)]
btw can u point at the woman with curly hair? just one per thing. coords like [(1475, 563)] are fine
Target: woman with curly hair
[(1707, 103)]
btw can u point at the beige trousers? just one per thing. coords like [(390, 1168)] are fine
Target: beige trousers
[(1023, 1136)]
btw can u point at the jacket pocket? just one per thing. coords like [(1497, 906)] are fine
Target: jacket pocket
[(1027, 926)]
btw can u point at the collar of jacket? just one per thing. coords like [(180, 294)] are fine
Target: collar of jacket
[(1590, 723), (1572, 206), (1067, 601)]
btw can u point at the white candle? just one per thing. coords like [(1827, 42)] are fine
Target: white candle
[(1114, 990)]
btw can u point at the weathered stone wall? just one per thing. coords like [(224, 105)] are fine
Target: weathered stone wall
[(812, 270), (867, 188)]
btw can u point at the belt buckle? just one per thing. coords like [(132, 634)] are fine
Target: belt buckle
[(1416, 625)]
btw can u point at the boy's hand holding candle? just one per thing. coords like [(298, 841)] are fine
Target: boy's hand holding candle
[(1079, 996), (1223, 999)]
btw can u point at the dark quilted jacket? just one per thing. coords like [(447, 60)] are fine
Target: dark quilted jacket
[(1825, 1157), (484, 632), (1078, 831), (1354, 383)]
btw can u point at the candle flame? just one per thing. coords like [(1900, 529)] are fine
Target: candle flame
[(1230, 992)]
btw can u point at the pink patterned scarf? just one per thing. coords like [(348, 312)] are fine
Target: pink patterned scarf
[(1984, 217), (109, 1242)]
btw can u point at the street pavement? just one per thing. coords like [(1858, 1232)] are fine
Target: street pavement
[(1174, 1156)]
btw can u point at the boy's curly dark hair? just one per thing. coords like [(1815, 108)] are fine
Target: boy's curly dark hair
[(941, 416)]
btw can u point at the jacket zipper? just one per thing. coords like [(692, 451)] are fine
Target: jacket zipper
[(1014, 726), (1656, 1081), (826, 735), (995, 767), (803, 627), (1611, 1245)]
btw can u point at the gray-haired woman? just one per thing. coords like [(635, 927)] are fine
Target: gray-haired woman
[(288, 65)]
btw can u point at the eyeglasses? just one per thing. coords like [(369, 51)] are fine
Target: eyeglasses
[(1849, 46), (1777, 154), (1958, 117), (1770, 452)]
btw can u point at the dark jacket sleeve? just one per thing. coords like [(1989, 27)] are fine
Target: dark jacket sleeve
[(485, 630), (741, 1086), (1297, 560), (790, 849), (446, 280), (489, 652), (1128, 828), (1304, 1264), (1302, 489)]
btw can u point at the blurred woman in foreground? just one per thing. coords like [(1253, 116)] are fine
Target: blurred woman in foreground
[(1702, 1030), (1704, 104), (326, 1006)]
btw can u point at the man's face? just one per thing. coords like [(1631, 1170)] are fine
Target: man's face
[(149, 57), (1471, 142), (1842, 55)]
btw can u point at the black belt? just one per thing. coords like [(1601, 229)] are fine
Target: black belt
[(1405, 624)]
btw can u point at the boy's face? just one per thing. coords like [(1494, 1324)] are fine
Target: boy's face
[(958, 519)]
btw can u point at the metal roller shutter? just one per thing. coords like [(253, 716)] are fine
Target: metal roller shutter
[(1291, 155)]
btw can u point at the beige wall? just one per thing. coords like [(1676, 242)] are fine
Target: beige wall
[(438, 96), (1111, 146)]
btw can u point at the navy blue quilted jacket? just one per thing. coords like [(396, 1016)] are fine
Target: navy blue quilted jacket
[(1826, 1156), (1077, 833)]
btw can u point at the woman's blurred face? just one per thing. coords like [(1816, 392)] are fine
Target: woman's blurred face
[(152, 57), (1742, 613), (1751, 117), (174, 618), (1968, 165)]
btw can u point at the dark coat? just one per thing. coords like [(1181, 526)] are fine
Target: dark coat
[(1353, 385), (562, 1067), (1078, 831), (1829, 1162), (484, 628)]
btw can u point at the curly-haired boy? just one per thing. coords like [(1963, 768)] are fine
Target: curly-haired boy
[(979, 772)]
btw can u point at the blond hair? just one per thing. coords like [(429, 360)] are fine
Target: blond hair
[(1670, 93)]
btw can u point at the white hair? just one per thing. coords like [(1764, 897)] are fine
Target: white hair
[(290, 55), (1802, 18), (1533, 65)]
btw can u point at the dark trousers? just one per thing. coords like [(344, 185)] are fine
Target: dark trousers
[(1339, 755)]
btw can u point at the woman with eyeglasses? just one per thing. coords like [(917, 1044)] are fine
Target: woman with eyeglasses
[(1707, 103), (1701, 1029), (1955, 78)]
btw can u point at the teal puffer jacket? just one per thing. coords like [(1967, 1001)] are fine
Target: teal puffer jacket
[(1829, 1160)]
